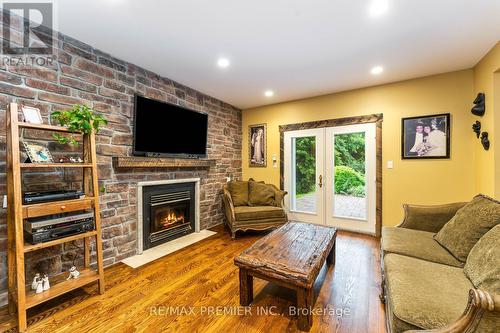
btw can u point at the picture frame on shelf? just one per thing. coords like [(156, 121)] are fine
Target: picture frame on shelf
[(31, 115), (426, 137), (37, 153), (257, 148)]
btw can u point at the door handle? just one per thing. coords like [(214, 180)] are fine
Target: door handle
[(320, 181)]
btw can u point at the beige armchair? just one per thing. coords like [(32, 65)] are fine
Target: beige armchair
[(250, 205)]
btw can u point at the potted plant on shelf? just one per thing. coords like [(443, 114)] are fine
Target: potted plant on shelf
[(80, 118)]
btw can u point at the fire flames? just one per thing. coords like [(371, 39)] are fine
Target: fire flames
[(171, 218)]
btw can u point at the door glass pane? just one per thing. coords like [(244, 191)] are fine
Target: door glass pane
[(349, 198), (304, 174)]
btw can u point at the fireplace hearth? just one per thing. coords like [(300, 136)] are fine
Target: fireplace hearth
[(168, 212)]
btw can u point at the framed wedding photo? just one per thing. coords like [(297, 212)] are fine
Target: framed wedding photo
[(31, 115), (257, 136), (37, 153), (425, 137)]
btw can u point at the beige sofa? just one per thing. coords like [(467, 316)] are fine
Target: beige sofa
[(251, 205), (426, 288)]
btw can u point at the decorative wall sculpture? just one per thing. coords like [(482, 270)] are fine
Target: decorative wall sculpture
[(485, 141), (479, 105), (477, 128)]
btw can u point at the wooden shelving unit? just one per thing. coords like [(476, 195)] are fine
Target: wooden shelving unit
[(54, 165), (22, 298)]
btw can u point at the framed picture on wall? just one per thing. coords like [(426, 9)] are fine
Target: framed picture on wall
[(425, 137), (257, 136)]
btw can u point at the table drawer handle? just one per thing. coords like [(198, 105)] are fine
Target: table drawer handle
[(63, 207)]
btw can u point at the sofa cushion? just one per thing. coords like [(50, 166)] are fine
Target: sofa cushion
[(245, 213), (423, 293), (483, 263), (396, 325), (429, 218), (260, 194), (468, 225), (483, 269), (417, 244), (239, 192)]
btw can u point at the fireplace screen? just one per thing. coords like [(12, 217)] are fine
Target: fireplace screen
[(169, 216)]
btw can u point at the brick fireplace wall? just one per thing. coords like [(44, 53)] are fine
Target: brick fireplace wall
[(82, 74)]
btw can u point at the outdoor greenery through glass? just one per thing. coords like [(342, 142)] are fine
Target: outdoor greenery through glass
[(349, 153), (305, 165)]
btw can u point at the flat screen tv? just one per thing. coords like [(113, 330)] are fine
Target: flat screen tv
[(169, 130)]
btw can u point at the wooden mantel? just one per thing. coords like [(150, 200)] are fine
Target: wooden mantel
[(161, 162)]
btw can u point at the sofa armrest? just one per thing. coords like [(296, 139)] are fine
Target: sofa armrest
[(279, 197), (479, 303), (429, 218), (228, 206)]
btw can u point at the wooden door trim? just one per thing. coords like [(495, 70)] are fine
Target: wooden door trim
[(372, 118)]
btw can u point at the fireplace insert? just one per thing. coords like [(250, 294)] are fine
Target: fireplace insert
[(168, 213)]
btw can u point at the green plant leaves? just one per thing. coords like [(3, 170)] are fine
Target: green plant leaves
[(349, 182), (80, 118)]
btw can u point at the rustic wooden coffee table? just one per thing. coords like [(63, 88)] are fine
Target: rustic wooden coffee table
[(290, 256)]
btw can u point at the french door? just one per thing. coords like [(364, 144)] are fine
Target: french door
[(330, 176)]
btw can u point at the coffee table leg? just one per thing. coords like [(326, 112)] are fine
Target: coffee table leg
[(246, 287), (304, 305), (330, 259)]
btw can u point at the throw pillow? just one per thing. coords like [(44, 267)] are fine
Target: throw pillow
[(483, 263), (483, 270), (239, 192), (468, 225), (260, 194)]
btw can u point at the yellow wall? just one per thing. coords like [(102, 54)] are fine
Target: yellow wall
[(497, 127), (484, 78), (419, 182)]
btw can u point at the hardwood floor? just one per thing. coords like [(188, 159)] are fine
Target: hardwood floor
[(186, 292)]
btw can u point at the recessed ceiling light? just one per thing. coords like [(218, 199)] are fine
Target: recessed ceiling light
[(378, 7), (223, 62), (377, 70), (269, 93)]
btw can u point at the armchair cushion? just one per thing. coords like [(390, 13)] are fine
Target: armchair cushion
[(245, 213), (468, 225), (260, 194), (239, 192), (417, 244), (279, 196), (425, 294)]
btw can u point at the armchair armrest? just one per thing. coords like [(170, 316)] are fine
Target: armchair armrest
[(479, 303), (429, 218), (228, 205), (279, 197)]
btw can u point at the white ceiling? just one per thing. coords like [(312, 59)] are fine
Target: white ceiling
[(297, 48)]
